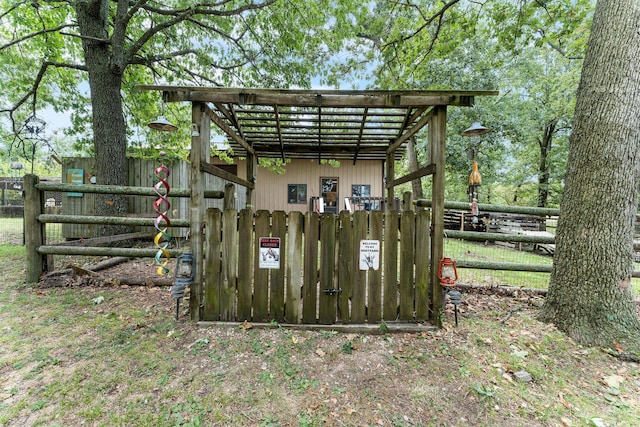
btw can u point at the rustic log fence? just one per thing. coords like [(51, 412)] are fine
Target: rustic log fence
[(38, 252)]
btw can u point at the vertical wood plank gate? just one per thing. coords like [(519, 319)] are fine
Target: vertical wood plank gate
[(321, 276)]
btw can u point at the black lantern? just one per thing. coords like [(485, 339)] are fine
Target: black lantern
[(184, 278)]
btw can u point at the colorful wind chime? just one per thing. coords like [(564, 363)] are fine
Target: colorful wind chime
[(162, 222)]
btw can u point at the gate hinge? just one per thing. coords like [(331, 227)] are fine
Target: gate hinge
[(332, 291)]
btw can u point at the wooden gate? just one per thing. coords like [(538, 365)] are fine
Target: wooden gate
[(314, 268)]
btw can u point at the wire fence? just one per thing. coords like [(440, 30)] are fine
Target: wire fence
[(12, 231)]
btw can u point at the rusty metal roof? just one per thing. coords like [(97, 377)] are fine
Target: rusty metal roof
[(318, 124)]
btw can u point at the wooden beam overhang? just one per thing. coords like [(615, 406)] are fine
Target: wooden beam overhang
[(322, 124), (221, 173), (362, 125), (276, 114), (321, 98), (225, 127), (427, 170), (424, 120)]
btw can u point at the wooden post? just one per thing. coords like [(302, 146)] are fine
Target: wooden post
[(390, 166), (252, 172), (229, 196), (407, 201), (199, 152), (33, 229), (437, 137)]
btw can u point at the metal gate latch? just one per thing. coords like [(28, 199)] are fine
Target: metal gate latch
[(332, 291)]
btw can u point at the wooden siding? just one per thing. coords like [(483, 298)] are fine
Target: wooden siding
[(271, 188)]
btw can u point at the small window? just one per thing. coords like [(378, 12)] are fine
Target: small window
[(297, 193), (361, 190)]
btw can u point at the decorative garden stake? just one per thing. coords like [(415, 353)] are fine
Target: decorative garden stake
[(455, 297), (162, 206)]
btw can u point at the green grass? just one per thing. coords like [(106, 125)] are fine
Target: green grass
[(478, 251), (65, 360), (12, 231)]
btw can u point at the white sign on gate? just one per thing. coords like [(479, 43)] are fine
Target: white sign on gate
[(369, 254), (269, 252)]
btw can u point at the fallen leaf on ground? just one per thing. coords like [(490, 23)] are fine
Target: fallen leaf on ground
[(613, 381)]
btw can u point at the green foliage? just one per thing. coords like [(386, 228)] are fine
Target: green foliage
[(530, 51)]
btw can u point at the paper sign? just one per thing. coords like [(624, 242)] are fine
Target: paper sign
[(269, 252), (369, 254)]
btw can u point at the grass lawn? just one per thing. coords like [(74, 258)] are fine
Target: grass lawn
[(12, 231), (115, 356), (478, 251)]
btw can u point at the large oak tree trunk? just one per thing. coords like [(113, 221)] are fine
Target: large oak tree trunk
[(109, 130), (590, 295)]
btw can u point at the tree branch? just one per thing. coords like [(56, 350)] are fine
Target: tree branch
[(34, 88), (36, 34), (80, 36), (180, 15), (427, 22)]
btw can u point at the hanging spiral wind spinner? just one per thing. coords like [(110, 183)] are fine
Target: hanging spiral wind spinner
[(162, 222)]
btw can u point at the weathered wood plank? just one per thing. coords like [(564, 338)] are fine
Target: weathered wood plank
[(293, 262), (437, 143), (212, 273), (359, 299), (261, 275), (123, 189), (390, 307), (374, 312), (328, 300), (345, 266), (423, 249), (229, 264), (199, 152), (310, 285), (245, 263), (34, 230), (407, 253), (276, 300)]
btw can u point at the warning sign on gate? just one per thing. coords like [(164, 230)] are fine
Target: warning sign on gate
[(369, 254), (269, 252)]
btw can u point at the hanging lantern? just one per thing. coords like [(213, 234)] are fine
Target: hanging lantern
[(161, 123), (476, 129), (184, 277), (447, 272)]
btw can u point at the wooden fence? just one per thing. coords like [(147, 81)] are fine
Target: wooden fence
[(364, 267), (80, 170), (39, 253)]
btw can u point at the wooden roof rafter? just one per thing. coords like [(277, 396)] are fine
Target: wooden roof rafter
[(320, 124), (276, 112)]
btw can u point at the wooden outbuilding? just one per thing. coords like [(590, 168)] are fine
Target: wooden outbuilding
[(344, 125)]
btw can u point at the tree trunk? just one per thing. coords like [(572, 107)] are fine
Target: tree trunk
[(590, 296), (109, 129), (416, 184), (543, 166)]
